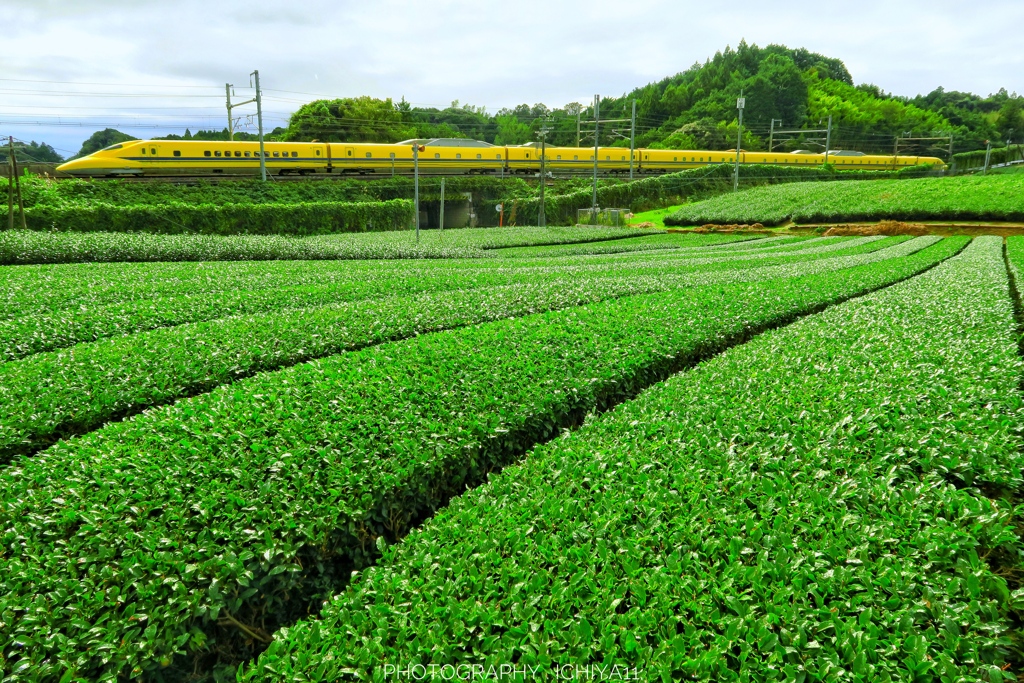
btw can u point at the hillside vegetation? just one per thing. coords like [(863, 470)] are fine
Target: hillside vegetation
[(998, 198)]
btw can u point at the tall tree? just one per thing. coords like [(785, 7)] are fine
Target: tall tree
[(102, 139)]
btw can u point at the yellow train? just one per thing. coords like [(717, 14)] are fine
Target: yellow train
[(446, 156)]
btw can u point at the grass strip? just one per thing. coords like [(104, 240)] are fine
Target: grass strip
[(807, 506), (189, 531)]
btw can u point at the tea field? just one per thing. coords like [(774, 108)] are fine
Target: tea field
[(690, 457), (980, 198)]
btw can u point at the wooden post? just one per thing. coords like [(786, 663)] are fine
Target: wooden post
[(10, 186)]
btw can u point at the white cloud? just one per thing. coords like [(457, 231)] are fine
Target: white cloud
[(432, 52)]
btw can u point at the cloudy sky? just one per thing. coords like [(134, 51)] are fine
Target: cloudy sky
[(152, 67)]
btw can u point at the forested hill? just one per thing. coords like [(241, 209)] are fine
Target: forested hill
[(696, 109)]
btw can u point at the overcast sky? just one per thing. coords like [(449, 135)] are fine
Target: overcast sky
[(152, 67)]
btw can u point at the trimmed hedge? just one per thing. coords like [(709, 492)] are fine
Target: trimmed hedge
[(306, 218), (972, 161)]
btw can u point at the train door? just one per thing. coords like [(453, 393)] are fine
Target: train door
[(350, 157)]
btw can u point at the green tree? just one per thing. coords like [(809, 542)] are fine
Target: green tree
[(350, 119), (511, 130), (102, 139), (1010, 120), (32, 152)]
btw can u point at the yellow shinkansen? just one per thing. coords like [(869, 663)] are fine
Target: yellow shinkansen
[(444, 156)]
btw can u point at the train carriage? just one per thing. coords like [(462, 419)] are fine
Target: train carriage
[(442, 156)]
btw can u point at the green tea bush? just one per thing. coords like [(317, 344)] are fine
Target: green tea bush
[(194, 528), (810, 505)]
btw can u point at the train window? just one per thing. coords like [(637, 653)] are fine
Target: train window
[(479, 156), (350, 152), (143, 150), (702, 158), (497, 156), (575, 157), (318, 152), (437, 155), (295, 154), (673, 158), (238, 154), (228, 153), (177, 153), (527, 155), (276, 154), (558, 156), (369, 155), (591, 157), (392, 155), (217, 153), (458, 156), (152, 150), (206, 153), (246, 154), (623, 158), (607, 157), (647, 157)]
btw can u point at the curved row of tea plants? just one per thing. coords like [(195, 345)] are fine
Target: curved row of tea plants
[(47, 288), (56, 395), (995, 198), (802, 507), (190, 529), (19, 247), (26, 335)]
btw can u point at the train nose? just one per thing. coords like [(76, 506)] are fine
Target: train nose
[(73, 167)]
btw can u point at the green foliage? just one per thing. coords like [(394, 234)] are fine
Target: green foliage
[(672, 188), (803, 506), (310, 218), (968, 161), (212, 519), (38, 191), (859, 114), (35, 247), (958, 198), (222, 134), (57, 395), (102, 139), (31, 153), (351, 119)]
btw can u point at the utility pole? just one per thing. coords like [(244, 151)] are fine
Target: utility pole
[(15, 181), (578, 127), (771, 136), (632, 139), (740, 103), (542, 134), (416, 185), (259, 120), (231, 122), (442, 203), (828, 138), (10, 184), (597, 123), (988, 155)]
